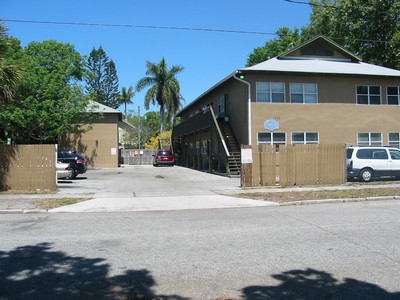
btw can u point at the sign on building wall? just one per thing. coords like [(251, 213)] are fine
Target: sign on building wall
[(271, 125), (247, 156)]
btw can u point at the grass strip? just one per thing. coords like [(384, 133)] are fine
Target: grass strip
[(321, 194)]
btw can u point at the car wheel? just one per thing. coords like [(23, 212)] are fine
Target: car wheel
[(366, 174), (74, 174)]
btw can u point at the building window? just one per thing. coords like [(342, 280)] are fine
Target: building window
[(369, 94), (394, 139), (204, 147), (303, 93), (221, 104), (305, 138), (272, 92), (271, 138), (369, 139), (393, 95)]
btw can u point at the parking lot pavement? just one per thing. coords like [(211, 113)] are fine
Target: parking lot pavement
[(139, 188)]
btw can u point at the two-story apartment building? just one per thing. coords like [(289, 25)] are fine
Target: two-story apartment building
[(316, 93)]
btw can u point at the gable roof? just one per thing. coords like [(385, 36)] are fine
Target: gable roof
[(322, 56), (101, 108), (320, 46), (321, 67), (96, 107), (319, 55)]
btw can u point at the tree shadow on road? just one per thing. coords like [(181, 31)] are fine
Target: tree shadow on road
[(36, 272), (313, 284)]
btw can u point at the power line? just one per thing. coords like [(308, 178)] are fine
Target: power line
[(139, 26), (311, 4), (175, 27), (329, 5)]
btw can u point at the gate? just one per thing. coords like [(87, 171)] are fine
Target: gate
[(288, 165)]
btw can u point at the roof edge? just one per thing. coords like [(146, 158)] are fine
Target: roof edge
[(326, 40), (206, 92)]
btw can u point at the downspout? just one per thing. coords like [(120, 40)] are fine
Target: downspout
[(249, 103)]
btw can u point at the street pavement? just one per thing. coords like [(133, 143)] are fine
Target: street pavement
[(147, 188)]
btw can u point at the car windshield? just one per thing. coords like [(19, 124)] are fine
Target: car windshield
[(394, 154)]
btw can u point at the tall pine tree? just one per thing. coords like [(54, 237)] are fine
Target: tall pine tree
[(102, 79)]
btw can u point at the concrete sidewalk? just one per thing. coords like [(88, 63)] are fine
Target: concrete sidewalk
[(126, 202), (160, 203)]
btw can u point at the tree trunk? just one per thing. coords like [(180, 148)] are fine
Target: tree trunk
[(162, 119)]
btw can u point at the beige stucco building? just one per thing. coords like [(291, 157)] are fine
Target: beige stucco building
[(317, 93), (99, 145)]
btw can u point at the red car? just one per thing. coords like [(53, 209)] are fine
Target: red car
[(164, 157)]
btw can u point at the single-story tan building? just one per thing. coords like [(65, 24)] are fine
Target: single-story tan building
[(100, 145)]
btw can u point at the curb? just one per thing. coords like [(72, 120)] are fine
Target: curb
[(301, 202), (342, 200), (23, 211)]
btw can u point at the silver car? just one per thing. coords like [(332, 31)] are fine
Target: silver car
[(64, 170)]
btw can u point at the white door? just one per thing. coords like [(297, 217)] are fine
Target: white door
[(380, 160)]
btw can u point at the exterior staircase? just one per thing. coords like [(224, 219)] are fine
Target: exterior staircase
[(234, 160)]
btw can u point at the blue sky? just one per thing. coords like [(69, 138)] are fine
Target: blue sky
[(207, 55)]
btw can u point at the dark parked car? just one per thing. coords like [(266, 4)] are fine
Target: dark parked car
[(76, 161), (164, 157)]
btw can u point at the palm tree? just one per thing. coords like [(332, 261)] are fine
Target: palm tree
[(164, 88), (9, 74), (173, 107), (125, 97)]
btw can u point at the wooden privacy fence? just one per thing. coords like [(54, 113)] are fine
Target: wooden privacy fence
[(137, 156), (28, 167), (289, 165)]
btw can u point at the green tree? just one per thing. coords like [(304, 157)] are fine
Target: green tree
[(49, 99), (152, 121), (164, 88), (145, 126), (161, 140), (102, 79), (368, 28), (286, 40), (10, 74), (125, 97)]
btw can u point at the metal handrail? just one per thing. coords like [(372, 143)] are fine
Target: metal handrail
[(219, 131)]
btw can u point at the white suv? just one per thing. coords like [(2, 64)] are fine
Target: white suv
[(367, 163)]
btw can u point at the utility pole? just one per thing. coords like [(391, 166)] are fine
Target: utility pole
[(139, 128)]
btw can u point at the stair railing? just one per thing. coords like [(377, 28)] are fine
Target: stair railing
[(221, 136)]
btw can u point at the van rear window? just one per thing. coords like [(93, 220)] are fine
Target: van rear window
[(349, 153)]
